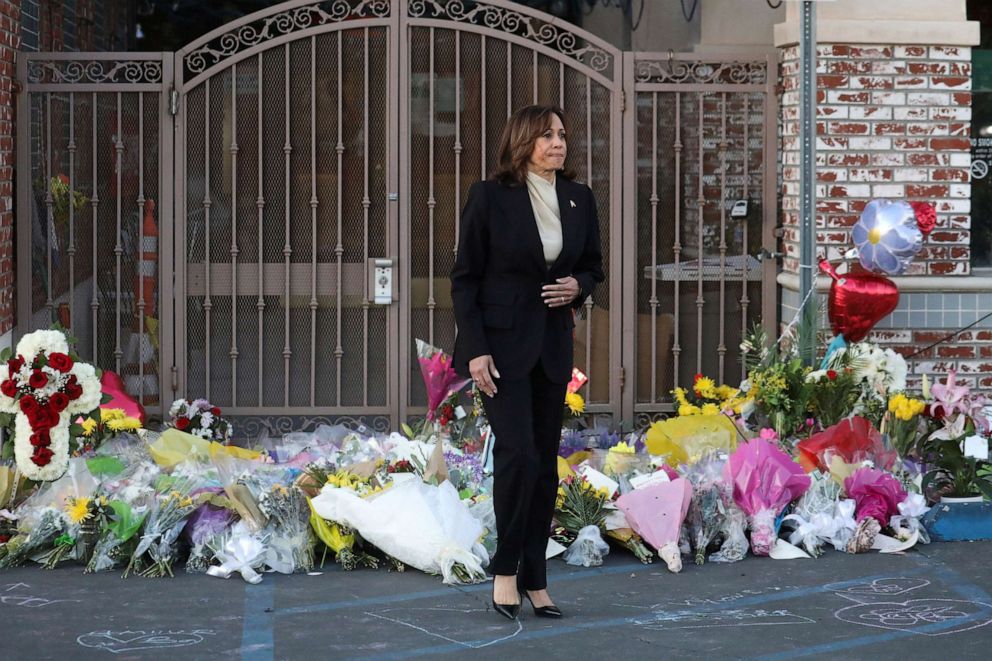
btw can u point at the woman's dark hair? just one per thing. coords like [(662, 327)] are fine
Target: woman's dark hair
[(516, 144)]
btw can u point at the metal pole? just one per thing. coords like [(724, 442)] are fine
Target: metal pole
[(807, 182)]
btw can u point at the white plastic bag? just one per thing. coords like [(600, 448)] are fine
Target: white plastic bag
[(588, 549)]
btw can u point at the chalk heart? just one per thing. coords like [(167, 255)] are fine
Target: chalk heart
[(927, 617), (883, 587), (119, 642)]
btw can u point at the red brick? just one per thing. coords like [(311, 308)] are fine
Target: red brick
[(950, 144)]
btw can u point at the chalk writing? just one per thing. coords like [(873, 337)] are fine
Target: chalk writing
[(882, 588), (118, 642), (687, 619), (24, 600)]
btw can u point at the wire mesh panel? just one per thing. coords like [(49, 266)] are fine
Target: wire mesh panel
[(287, 172), (702, 215), (470, 67), (89, 208)]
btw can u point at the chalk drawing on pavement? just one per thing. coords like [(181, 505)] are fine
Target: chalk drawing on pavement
[(738, 617), (118, 642), (412, 614), (928, 617)]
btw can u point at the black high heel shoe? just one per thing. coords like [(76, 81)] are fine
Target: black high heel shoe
[(509, 611), (551, 611)]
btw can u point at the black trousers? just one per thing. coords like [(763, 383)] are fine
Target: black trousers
[(525, 416)]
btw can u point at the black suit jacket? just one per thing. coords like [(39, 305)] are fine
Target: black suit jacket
[(499, 272)]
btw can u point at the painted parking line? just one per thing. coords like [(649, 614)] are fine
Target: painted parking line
[(257, 642)]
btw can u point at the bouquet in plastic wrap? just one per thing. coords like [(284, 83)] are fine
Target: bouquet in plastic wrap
[(819, 518), (656, 513), (129, 496), (422, 525), (877, 495), (208, 521), (43, 524), (707, 513), (764, 480), (158, 546), (289, 547), (687, 439), (733, 548), (440, 378), (853, 440), (340, 540), (580, 507)]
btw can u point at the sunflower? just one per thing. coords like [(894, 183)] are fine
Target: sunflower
[(78, 509)]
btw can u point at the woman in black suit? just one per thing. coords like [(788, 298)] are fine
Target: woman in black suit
[(528, 254)]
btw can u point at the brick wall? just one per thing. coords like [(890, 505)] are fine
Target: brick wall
[(892, 122), (10, 29)]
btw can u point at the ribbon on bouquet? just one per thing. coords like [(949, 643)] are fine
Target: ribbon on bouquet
[(907, 521), (240, 555), (834, 525)]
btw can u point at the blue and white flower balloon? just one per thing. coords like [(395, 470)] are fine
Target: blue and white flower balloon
[(887, 236)]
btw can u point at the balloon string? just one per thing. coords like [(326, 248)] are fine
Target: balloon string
[(799, 313), (951, 336)]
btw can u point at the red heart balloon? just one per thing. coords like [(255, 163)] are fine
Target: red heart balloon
[(112, 385), (858, 301)]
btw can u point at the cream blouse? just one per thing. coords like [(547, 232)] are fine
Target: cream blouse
[(544, 200)]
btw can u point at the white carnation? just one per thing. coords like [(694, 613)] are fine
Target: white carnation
[(42, 340), (7, 404), (206, 419), (92, 392), (23, 450)]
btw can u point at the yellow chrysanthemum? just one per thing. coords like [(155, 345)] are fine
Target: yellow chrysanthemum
[(705, 387), (89, 426), (108, 415), (724, 393), (689, 409), (78, 509), (575, 403), (126, 423), (680, 396), (710, 409)]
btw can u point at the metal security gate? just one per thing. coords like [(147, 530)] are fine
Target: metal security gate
[(701, 194), (300, 151), (94, 194)]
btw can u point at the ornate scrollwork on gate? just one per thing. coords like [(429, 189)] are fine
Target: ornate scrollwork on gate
[(274, 25), (665, 70), (504, 19), (644, 419), (252, 427), (94, 71)]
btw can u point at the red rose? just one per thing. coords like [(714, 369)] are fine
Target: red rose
[(42, 456), (60, 401), (28, 403), (73, 390), (9, 388), (832, 375), (215, 410), (697, 377), (41, 439), (15, 364), (38, 380), (182, 424), (60, 362)]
